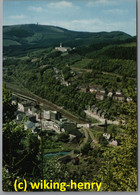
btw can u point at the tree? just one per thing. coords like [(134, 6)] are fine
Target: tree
[(113, 131), (20, 148), (105, 127), (85, 149), (120, 164), (8, 108), (103, 141), (64, 137)]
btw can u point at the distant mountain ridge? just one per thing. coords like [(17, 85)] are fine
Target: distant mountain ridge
[(36, 36)]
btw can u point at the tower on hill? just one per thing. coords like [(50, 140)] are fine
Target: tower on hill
[(60, 44)]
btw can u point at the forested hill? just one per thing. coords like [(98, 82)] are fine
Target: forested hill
[(31, 36)]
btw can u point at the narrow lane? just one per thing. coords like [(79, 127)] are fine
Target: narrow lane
[(85, 139)]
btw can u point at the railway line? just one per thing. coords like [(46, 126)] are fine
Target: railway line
[(26, 95), (23, 97)]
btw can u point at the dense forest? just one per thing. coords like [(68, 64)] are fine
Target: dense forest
[(21, 39)]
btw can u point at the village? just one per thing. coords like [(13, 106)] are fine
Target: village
[(51, 122), (98, 92), (38, 119)]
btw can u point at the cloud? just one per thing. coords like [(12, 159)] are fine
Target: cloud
[(61, 5), (86, 23), (100, 2), (17, 17), (83, 25), (95, 25), (35, 9), (117, 11)]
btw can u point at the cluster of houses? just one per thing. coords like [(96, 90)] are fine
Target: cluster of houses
[(118, 96), (101, 93), (95, 110), (59, 123), (35, 119), (58, 76), (29, 115), (110, 140)]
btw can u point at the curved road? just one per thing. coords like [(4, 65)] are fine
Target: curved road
[(85, 139)]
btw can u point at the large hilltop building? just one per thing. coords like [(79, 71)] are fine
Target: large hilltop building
[(63, 49)]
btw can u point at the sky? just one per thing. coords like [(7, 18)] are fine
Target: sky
[(78, 15)]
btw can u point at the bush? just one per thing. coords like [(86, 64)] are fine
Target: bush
[(76, 151), (64, 137), (85, 149), (103, 141)]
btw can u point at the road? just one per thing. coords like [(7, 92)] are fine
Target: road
[(87, 134), (85, 138), (92, 137), (100, 118), (103, 72)]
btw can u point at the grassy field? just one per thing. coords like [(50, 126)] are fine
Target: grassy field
[(97, 131), (82, 63), (8, 43), (92, 120), (133, 44)]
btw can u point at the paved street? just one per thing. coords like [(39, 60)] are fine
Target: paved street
[(100, 118)]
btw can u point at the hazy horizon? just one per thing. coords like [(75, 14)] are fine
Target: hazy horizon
[(68, 29), (83, 16)]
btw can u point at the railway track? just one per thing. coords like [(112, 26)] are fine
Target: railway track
[(46, 104)]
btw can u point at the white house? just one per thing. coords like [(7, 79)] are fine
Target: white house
[(63, 49), (110, 94), (113, 143), (107, 136), (46, 115)]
